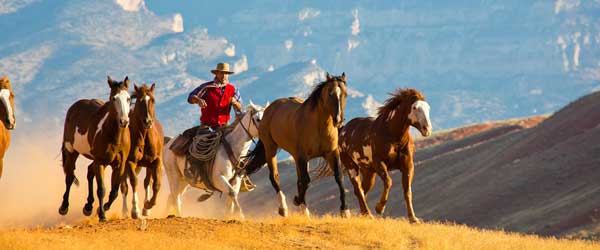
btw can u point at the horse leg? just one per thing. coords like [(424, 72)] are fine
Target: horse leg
[(117, 175), (147, 182), (270, 155), (124, 192), (232, 196), (368, 180), (101, 190), (133, 180), (302, 183), (383, 173), (68, 160), (335, 162), (407, 178), (156, 170), (87, 209), (177, 183)]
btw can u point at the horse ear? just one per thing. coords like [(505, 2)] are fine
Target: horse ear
[(109, 81), (135, 87), (327, 76), (152, 87), (344, 76), (267, 104), (126, 81)]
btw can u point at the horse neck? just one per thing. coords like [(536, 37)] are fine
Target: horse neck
[(320, 115), (238, 138), (111, 129), (137, 131), (396, 128)]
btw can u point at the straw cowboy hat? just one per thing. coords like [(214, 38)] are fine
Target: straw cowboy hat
[(222, 67)]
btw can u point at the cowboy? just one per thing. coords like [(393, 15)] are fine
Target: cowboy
[(216, 98)]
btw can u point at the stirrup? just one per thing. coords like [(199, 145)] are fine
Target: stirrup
[(246, 185)]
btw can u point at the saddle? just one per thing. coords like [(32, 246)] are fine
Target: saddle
[(199, 145)]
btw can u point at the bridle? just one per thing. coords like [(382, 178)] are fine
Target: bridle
[(252, 121)]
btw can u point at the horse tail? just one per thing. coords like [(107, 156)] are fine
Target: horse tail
[(167, 139), (64, 156), (256, 158)]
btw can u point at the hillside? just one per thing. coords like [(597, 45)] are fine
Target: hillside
[(541, 179), (291, 233)]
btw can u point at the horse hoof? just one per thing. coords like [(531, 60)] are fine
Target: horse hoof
[(148, 205), (283, 212), (345, 213), (171, 216), (87, 210), (297, 201), (63, 210), (106, 206), (414, 220), (379, 208), (135, 215), (101, 218), (146, 212)]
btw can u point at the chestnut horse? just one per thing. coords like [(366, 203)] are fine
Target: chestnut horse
[(7, 114), (306, 129), (99, 131), (147, 141), (378, 145)]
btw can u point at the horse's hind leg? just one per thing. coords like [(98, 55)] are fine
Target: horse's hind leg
[(87, 209), (270, 155), (68, 162), (303, 182), (355, 180), (381, 170), (334, 161)]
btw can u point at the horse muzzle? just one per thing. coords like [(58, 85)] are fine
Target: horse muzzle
[(425, 130), (123, 123), (148, 123)]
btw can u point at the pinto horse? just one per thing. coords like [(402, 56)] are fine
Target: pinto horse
[(306, 129), (224, 176), (147, 141), (99, 131), (7, 114), (378, 145)]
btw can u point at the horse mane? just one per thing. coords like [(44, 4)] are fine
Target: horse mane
[(401, 96), (315, 95)]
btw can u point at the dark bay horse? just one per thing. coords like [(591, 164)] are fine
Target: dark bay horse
[(147, 141), (7, 114), (372, 146), (99, 131), (306, 129)]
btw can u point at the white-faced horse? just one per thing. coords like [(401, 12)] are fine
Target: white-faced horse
[(240, 139)]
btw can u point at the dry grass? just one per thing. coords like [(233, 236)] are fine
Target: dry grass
[(290, 233)]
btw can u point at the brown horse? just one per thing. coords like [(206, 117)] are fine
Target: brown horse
[(306, 129), (7, 114), (372, 146), (99, 131), (147, 141)]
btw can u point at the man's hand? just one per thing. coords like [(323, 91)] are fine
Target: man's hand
[(202, 103), (236, 105)]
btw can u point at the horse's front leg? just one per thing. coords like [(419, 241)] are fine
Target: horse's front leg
[(303, 183), (382, 171), (131, 172), (115, 182), (156, 172), (99, 171), (232, 196), (407, 178), (333, 159), (91, 172)]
